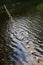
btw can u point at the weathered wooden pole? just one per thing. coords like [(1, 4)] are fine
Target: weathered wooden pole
[(8, 12), (10, 17)]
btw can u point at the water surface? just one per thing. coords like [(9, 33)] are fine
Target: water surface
[(13, 48)]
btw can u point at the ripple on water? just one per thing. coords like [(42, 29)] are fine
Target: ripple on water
[(16, 51)]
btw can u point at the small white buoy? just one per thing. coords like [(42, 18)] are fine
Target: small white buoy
[(37, 59), (27, 41), (28, 46), (32, 52)]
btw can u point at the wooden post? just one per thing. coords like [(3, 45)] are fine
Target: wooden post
[(8, 12)]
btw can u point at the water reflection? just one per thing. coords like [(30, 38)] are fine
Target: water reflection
[(13, 41)]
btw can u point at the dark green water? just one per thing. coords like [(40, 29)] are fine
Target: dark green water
[(13, 50)]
